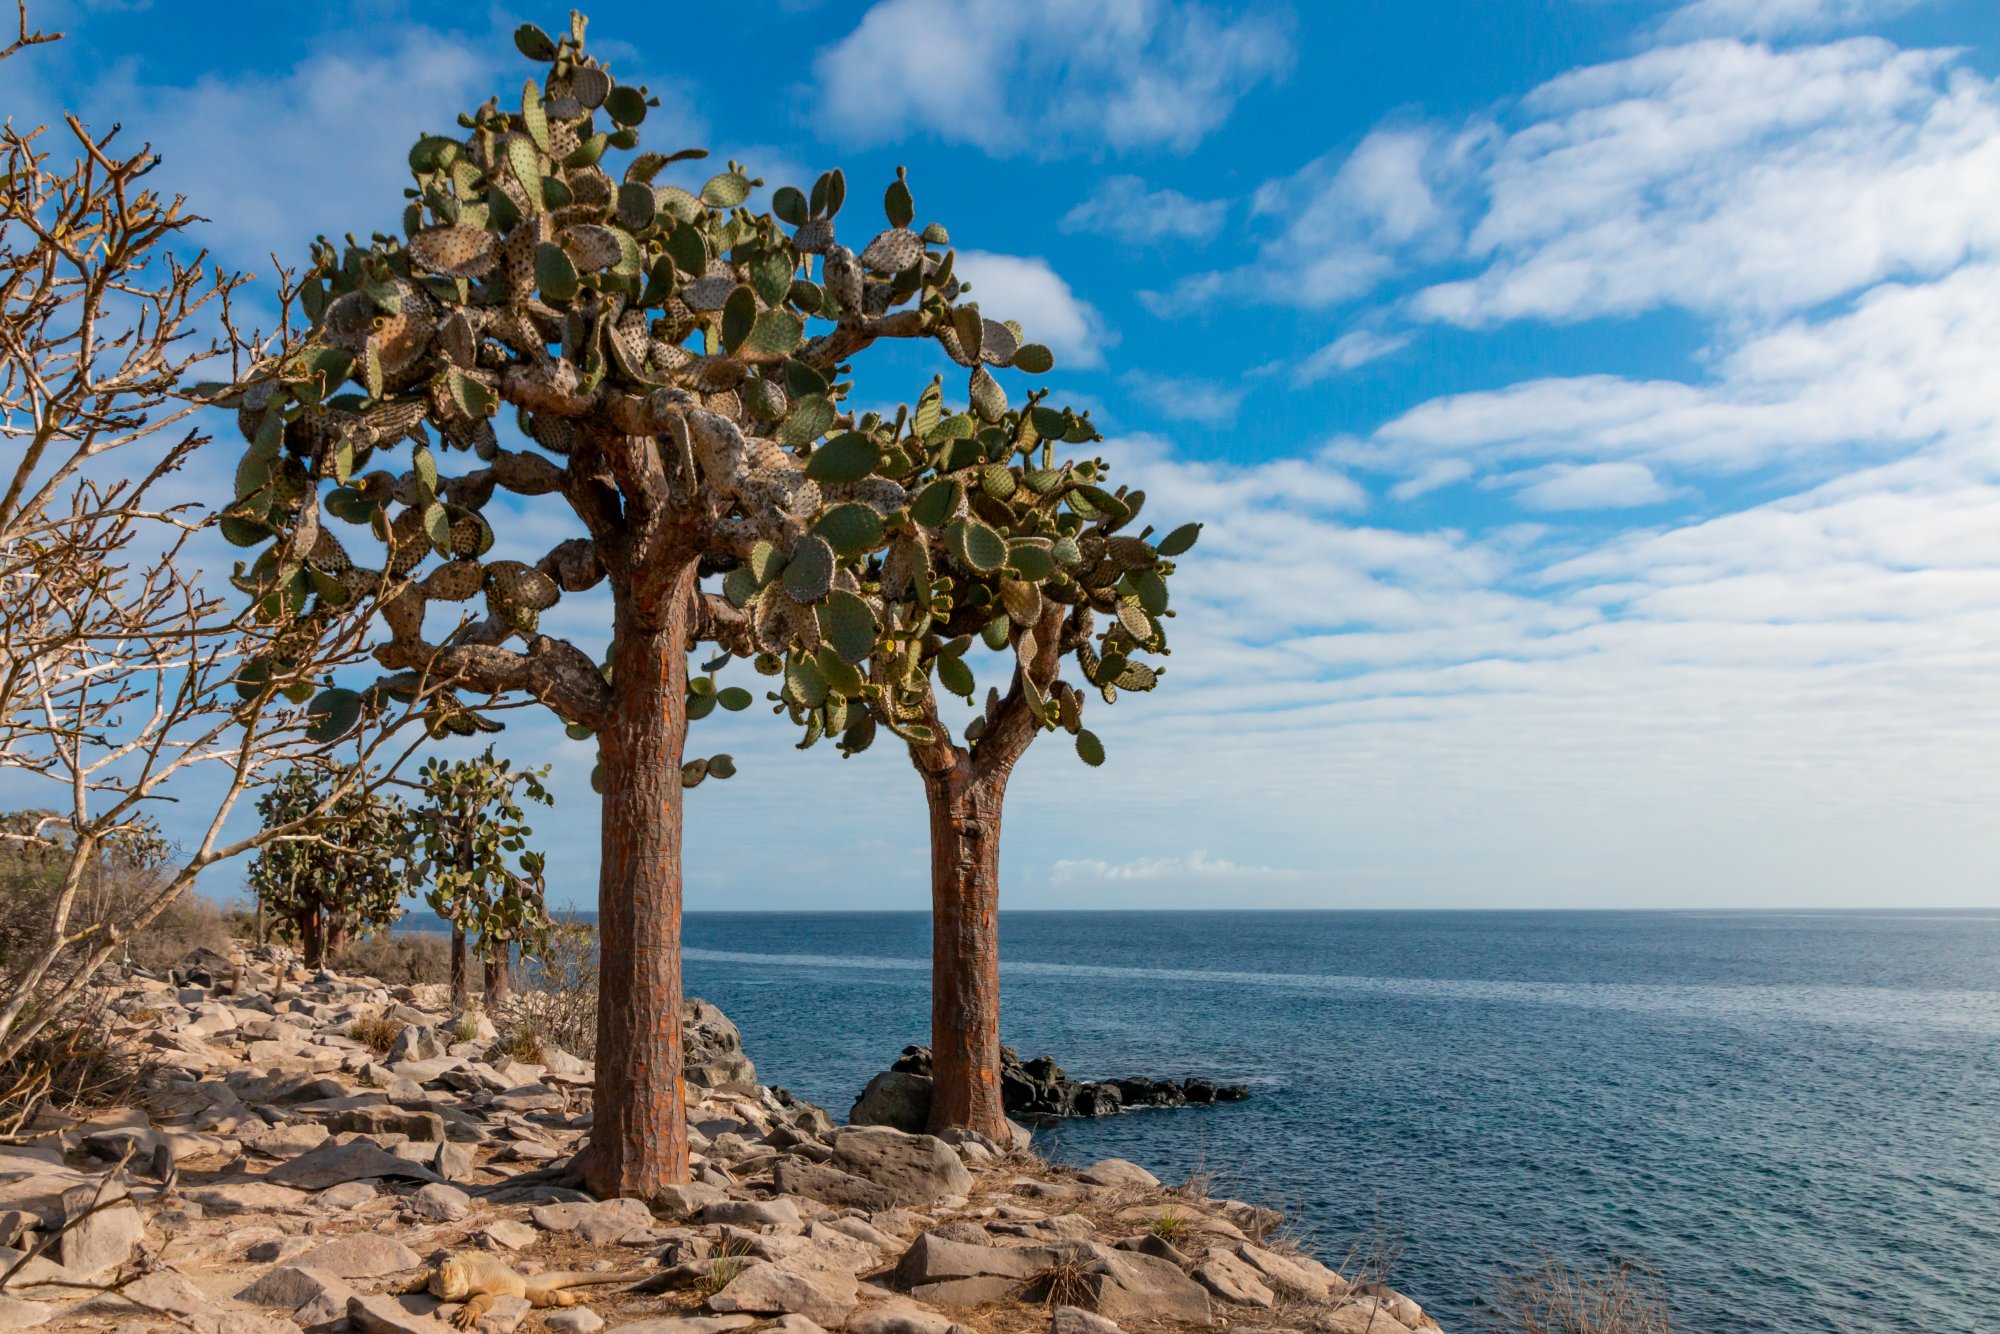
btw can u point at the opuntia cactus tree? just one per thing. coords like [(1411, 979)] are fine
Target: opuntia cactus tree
[(345, 875), (1011, 546), (482, 877), (674, 363)]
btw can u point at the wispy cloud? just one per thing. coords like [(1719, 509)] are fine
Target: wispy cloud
[(1179, 399), (1349, 352), (1125, 210), (1043, 76), (1192, 866), (1777, 18)]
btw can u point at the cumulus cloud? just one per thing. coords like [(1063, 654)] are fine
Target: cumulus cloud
[(1025, 288), (1124, 209), (1041, 76)]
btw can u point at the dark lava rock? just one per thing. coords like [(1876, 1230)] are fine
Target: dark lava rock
[(1033, 1090)]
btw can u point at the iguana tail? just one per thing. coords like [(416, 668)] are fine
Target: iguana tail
[(574, 1279)]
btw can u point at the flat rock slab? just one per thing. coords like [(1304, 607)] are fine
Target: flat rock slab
[(395, 1315), (765, 1289), (361, 1257), (606, 1219), (830, 1185), (692, 1324), (357, 1160), (897, 1316)]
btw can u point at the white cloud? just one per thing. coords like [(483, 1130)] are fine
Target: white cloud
[(1194, 866), (1776, 18), (274, 160), (1037, 76), (1025, 288), (1349, 352), (1125, 210), (1565, 486), (1732, 179), (1186, 400), (1906, 365)]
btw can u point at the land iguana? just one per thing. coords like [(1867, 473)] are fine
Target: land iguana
[(476, 1278)]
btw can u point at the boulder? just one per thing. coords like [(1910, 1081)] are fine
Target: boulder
[(779, 1213), (914, 1169), (504, 1316), (897, 1316), (766, 1289), (1234, 1281), (1118, 1172), (313, 1295), (935, 1259), (895, 1099), (1125, 1285), (685, 1200), (385, 1314), (440, 1203), (508, 1234), (101, 1238), (830, 1185), (691, 1324), (1076, 1320), (1295, 1275), (576, 1320), (356, 1160), (712, 1050)]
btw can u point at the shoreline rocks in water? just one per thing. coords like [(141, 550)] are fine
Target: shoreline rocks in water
[(307, 1143), (1035, 1091)]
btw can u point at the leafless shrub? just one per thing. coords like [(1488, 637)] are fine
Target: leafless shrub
[(559, 1008), (73, 1063), (127, 675), (1557, 1298), (415, 958)]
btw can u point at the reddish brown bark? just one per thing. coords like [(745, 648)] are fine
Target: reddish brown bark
[(965, 950), (638, 1136)]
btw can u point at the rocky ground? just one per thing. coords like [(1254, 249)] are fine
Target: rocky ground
[(285, 1175)]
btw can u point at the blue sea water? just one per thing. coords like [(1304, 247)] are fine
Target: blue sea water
[(1793, 1118)]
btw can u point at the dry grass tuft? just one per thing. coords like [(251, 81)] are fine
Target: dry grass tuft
[(377, 1034), (1555, 1298), (723, 1269), (74, 1064), (1064, 1283)]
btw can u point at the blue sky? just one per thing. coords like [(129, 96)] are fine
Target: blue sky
[(1593, 405)]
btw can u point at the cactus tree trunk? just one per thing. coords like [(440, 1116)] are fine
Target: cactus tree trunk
[(638, 1137), (499, 984), (965, 950), (461, 970), (312, 937)]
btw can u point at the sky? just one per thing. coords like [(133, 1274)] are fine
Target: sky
[(1593, 406)]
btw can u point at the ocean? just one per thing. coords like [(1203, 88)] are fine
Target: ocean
[(1792, 1118)]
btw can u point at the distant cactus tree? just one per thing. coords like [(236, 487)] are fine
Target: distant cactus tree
[(676, 364), (346, 876), (483, 877), (1015, 548)]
